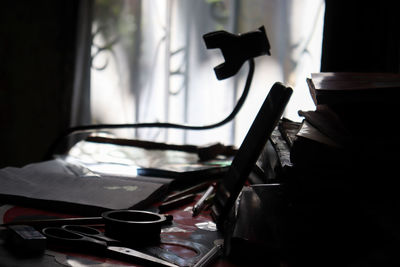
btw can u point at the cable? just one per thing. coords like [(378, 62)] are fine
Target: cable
[(85, 128)]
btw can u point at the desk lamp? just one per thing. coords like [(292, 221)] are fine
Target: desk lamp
[(236, 49)]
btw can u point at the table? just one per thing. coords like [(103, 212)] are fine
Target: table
[(185, 230)]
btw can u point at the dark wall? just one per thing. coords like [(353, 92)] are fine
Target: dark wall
[(37, 51), (361, 36)]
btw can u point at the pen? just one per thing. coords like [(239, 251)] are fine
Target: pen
[(177, 202), (200, 204), (193, 189)]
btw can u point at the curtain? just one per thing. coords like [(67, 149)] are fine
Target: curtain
[(150, 64), (80, 111)]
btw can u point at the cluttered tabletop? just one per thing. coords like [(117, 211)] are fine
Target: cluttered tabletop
[(118, 221), (72, 211), (36, 237)]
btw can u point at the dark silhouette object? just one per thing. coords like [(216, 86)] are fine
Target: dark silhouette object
[(236, 49)]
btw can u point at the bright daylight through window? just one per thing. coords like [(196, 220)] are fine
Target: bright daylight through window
[(149, 63)]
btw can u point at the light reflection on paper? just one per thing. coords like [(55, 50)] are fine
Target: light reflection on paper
[(124, 160), (208, 226)]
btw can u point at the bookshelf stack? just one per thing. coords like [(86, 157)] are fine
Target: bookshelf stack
[(354, 118), (344, 186)]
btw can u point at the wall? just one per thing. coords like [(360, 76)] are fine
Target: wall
[(361, 36), (36, 73)]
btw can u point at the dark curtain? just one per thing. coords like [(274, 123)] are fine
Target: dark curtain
[(37, 54), (361, 36)]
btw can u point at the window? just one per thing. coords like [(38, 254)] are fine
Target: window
[(148, 63)]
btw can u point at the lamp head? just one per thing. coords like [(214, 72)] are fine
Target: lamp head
[(236, 49)]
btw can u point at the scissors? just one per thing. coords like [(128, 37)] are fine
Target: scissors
[(88, 239)]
